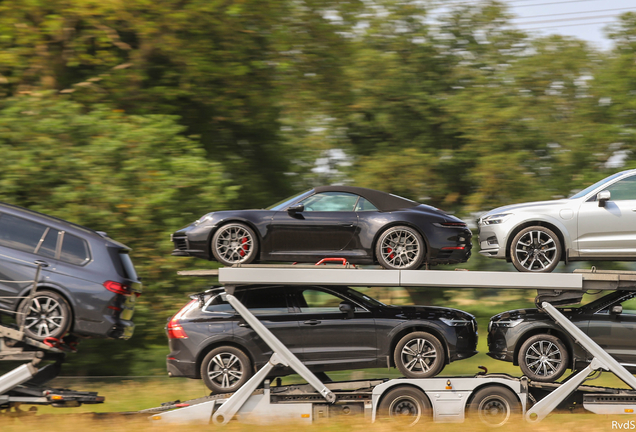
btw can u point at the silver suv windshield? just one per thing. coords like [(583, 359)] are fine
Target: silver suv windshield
[(589, 189)]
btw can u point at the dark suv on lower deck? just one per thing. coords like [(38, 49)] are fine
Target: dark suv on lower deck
[(87, 285), (327, 328), (531, 339)]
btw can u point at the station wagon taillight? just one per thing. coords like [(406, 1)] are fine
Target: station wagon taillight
[(117, 288), (175, 330)]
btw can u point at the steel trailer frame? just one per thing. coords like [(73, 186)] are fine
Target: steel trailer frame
[(449, 396)]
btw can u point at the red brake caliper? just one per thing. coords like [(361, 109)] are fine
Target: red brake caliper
[(389, 250), (245, 246)]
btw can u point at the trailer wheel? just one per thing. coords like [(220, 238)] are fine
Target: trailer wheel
[(419, 355), (225, 369), (543, 358), (494, 406), (405, 403)]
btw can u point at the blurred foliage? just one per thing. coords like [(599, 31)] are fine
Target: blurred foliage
[(136, 117), (135, 177)]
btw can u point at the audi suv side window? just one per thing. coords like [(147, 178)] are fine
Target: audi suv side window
[(623, 190), (21, 234), (330, 201), (74, 250), (265, 301), (217, 305), (317, 301)]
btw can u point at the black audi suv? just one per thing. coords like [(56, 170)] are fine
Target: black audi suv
[(533, 341), (87, 285), (327, 328)]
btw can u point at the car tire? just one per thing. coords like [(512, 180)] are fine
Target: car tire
[(431, 359), (535, 249), (543, 358), (225, 369), (234, 243), (405, 403), (494, 406), (49, 315), (400, 248)]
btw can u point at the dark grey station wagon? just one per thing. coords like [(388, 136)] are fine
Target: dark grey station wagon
[(87, 286)]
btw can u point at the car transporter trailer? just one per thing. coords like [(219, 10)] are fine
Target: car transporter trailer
[(25, 384), (494, 398)]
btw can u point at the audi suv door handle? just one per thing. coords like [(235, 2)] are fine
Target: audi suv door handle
[(41, 263), (246, 325), (312, 322)]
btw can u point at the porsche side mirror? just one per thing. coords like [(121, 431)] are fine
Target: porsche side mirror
[(616, 310), (347, 309), (296, 209), (602, 197)]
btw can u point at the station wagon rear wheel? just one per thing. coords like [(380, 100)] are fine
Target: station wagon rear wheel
[(419, 355), (535, 249), (48, 315), (234, 243), (405, 403), (225, 369), (543, 358)]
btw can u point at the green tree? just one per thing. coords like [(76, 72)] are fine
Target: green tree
[(135, 177)]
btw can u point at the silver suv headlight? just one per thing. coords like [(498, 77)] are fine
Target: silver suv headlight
[(495, 219)]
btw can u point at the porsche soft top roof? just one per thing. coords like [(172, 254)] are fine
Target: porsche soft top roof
[(382, 200)]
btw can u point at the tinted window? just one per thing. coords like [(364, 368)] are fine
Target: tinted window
[(265, 301), (315, 301), (364, 205), (74, 250), (18, 233), (330, 201), (129, 268), (623, 190), (218, 305), (48, 247)]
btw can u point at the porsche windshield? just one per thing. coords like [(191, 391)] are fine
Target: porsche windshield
[(281, 205)]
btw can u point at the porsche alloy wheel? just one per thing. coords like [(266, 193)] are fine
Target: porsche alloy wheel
[(234, 244), (401, 248)]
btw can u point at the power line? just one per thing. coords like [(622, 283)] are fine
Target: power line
[(570, 25), (520, 6), (576, 13), (567, 19)]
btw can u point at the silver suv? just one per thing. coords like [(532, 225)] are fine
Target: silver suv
[(598, 223)]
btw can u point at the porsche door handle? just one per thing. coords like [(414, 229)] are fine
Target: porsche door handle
[(350, 225), (246, 325), (312, 322)]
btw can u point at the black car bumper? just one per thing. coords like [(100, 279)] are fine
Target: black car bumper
[(180, 368)]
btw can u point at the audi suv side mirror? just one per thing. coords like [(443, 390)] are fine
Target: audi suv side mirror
[(616, 310), (296, 209), (346, 308), (602, 197)]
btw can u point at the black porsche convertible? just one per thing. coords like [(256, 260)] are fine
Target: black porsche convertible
[(364, 226)]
